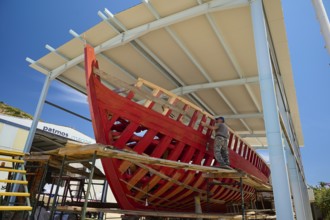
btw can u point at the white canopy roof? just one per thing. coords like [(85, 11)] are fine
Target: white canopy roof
[(203, 50)]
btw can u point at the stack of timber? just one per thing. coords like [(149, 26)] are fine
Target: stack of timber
[(251, 214)]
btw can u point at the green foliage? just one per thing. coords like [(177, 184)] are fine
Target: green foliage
[(322, 198), (9, 110)]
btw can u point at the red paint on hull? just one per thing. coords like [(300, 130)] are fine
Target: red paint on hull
[(117, 120)]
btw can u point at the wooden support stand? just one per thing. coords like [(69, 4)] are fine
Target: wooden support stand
[(83, 153)]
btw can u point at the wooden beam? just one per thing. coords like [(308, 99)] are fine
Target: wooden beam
[(38, 158), (173, 95), (109, 151), (224, 175), (231, 187), (163, 176), (170, 179), (76, 209), (246, 178), (140, 190), (77, 151), (119, 83)]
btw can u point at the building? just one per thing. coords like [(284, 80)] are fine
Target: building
[(14, 133)]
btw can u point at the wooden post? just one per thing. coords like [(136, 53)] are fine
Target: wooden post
[(198, 207)]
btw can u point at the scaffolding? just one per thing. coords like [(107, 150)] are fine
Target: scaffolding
[(77, 200), (12, 163)]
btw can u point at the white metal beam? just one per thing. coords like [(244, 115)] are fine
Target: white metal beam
[(324, 21), (252, 135), (279, 172), (38, 66), (212, 85), (79, 67), (259, 147), (307, 205), (239, 116), (193, 59), (72, 84), (126, 72), (134, 33), (231, 57), (295, 184), (151, 57), (37, 114), (141, 48)]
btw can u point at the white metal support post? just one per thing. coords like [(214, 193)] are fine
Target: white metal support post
[(307, 205), (295, 185), (33, 129), (37, 114), (324, 21), (279, 173)]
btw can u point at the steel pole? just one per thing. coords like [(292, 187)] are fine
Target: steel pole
[(279, 173), (37, 114), (91, 174), (295, 185), (104, 197), (324, 21), (242, 197), (33, 128), (307, 205), (58, 184)]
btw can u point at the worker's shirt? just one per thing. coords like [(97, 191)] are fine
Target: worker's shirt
[(222, 130)]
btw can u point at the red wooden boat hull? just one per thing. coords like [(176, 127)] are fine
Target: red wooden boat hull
[(119, 121)]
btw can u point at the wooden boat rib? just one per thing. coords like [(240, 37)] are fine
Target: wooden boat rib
[(165, 126)]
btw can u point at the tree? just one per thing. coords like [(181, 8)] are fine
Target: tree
[(322, 198)]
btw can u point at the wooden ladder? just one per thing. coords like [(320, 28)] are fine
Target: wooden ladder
[(16, 176)]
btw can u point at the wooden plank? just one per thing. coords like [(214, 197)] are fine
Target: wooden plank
[(76, 209), (167, 185), (15, 208), (170, 179), (166, 110), (108, 151), (170, 94), (86, 151), (37, 157), (225, 175), (234, 189), (119, 83), (157, 152), (139, 148), (144, 192), (148, 103)]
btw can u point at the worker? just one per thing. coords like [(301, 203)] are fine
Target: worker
[(220, 141)]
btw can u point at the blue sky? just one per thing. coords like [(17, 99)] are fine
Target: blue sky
[(27, 26)]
